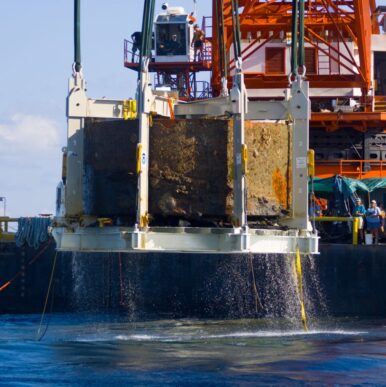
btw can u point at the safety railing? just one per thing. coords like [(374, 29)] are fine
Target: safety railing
[(202, 90), (358, 169), (5, 233), (379, 103), (354, 220), (207, 52), (207, 25), (128, 55), (131, 57)]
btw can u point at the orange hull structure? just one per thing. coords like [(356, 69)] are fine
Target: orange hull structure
[(355, 169), (339, 34)]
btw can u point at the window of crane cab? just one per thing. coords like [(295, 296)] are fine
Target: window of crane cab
[(275, 60), (311, 59), (166, 45)]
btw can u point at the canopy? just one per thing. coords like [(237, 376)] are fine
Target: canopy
[(348, 186), (375, 183)]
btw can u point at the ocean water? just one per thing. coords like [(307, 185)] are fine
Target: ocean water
[(108, 350)]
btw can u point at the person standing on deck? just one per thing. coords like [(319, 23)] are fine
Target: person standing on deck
[(382, 218), (198, 42), (360, 212), (373, 222), (136, 37)]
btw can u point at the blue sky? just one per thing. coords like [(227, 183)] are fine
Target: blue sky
[(36, 41)]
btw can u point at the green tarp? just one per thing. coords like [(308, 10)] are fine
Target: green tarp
[(374, 184), (349, 186)]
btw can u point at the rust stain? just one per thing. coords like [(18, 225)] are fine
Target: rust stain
[(279, 185)]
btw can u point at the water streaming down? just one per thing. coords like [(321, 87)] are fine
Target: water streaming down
[(275, 295), (200, 286), (192, 319)]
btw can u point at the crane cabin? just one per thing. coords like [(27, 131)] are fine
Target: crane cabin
[(173, 33)]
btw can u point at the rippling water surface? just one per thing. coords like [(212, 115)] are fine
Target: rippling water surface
[(109, 350)]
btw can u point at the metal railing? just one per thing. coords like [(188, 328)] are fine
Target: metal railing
[(358, 168), (354, 220), (207, 26), (5, 233), (130, 57), (379, 103), (128, 53)]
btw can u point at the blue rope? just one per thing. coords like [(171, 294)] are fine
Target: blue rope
[(32, 231)]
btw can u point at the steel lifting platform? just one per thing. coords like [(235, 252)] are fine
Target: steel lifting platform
[(71, 235), (185, 240), (294, 233)]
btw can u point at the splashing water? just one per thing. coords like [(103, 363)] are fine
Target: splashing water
[(175, 285), (275, 291)]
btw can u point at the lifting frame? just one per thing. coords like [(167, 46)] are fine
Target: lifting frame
[(70, 235)]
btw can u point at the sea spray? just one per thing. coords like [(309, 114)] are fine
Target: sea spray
[(130, 294), (275, 293), (100, 282), (196, 285), (314, 294)]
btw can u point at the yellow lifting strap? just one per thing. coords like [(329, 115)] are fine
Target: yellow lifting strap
[(129, 109), (298, 274)]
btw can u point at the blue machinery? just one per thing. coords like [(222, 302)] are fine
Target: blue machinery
[(71, 230)]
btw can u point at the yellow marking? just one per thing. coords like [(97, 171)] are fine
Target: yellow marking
[(244, 158), (355, 230), (331, 218), (104, 221), (144, 222), (311, 162), (129, 109), (139, 158)]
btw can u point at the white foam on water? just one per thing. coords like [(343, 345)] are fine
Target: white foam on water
[(284, 333), (265, 334), (140, 337)]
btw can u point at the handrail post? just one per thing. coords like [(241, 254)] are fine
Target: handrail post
[(355, 229), (360, 169)]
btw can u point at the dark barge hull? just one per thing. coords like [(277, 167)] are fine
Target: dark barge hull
[(350, 278)]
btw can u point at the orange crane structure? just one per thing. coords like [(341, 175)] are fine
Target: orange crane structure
[(345, 60)]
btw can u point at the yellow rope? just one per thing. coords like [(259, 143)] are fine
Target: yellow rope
[(298, 274)]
